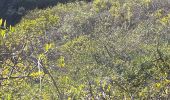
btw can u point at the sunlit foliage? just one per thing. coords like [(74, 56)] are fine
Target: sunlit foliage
[(102, 50)]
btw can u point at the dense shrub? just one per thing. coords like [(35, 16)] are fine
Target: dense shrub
[(13, 10), (106, 49)]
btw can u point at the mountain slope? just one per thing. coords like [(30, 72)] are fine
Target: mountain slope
[(98, 50)]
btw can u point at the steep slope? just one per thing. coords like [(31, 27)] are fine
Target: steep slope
[(100, 50), (13, 10)]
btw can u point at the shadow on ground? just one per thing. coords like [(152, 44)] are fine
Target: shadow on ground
[(14, 10)]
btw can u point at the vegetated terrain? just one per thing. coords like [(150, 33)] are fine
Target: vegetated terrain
[(13, 10), (101, 50)]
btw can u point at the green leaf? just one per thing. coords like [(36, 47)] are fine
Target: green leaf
[(61, 61), (3, 32), (48, 46), (11, 29), (1, 22)]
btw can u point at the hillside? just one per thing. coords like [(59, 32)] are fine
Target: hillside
[(98, 50), (14, 10)]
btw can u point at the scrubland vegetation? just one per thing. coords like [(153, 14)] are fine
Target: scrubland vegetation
[(100, 50)]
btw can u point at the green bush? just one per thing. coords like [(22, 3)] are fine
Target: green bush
[(98, 50)]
